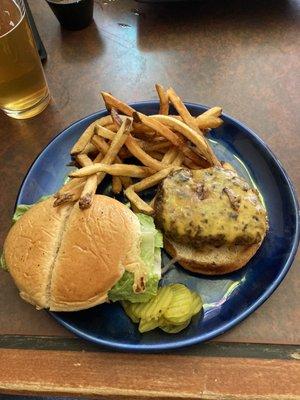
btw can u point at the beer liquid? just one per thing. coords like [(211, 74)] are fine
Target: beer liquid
[(23, 88)]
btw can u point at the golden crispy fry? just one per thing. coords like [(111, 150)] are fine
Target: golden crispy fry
[(83, 160), (89, 149), (178, 160), (104, 132), (182, 110), (155, 154), (88, 192), (198, 140), (191, 165), (170, 155), (134, 171), (85, 138), (116, 185), (156, 146), (131, 192), (134, 148), (137, 203), (211, 112), (209, 123), (112, 102), (112, 127), (163, 100), (159, 128), (152, 180), (90, 185), (103, 147)]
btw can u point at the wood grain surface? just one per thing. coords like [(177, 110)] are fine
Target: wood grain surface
[(241, 55), (147, 376)]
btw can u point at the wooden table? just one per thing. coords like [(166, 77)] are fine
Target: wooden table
[(241, 55)]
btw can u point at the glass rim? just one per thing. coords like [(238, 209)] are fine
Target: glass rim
[(21, 6)]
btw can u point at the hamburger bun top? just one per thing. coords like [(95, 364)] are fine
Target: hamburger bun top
[(67, 259)]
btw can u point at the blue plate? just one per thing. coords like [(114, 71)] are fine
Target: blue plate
[(227, 299)]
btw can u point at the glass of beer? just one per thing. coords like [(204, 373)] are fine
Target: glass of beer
[(23, 88)]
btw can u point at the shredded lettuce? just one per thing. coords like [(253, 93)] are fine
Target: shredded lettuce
[(151, 242), (3, 264), (22, 208)]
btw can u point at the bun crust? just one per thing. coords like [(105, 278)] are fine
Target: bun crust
[(30, 248), (91, 257), (211, 260), (67, 259)]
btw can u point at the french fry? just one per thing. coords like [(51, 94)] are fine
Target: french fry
[(170, 155), (152, 180), (182, 110), (159, 128), (137, 202), (90, 185), (198, 140), (134, 171), (85, 138), (104, 132), (134, 148), (178, 160), (103, 147), (156, 146), (116, 185), (163, 100), (112, 102), (88, 192), (131, 191), (89, 149), (155, 154)]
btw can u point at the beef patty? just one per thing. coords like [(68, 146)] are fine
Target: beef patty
[(209, 206)]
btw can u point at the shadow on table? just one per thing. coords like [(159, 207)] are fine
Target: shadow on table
[(159, 22), (72, 49)]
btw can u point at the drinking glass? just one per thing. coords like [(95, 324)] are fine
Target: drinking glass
[(24, 91)]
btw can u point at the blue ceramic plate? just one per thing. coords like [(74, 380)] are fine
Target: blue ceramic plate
[(227, 299)]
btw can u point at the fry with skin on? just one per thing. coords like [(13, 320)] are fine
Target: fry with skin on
[(112, 102), (103, 148), (163, 100), (137, 203), (89, 149), (72, 190), (90, 185), (134, 171), (170, 155), (116, 185), (182, 110), (198, 140), (85, 138), (104, 132), (134, 148), (131, 192), (109, 157)]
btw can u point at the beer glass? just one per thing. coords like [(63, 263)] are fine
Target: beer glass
[(23, 88)]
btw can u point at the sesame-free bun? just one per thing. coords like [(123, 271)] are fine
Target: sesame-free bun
[(67, 259), (211, 260)]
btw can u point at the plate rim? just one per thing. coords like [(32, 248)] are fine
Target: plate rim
[(225, 327)]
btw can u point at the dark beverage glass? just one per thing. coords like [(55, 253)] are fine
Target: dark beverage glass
[(73, 14)]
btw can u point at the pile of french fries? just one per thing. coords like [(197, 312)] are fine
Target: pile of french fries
[(159, 142)]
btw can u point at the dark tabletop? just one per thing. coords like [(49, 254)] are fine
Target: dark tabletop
[(241, 55)]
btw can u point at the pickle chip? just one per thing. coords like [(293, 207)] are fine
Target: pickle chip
[(174, 328), (197, 303), (146, 326), (180, 309), (128, 310), (156, 307)]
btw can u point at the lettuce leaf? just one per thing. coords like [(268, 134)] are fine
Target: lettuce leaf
[(3, 264), (123, 289), (151, 242), (22, 208)]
